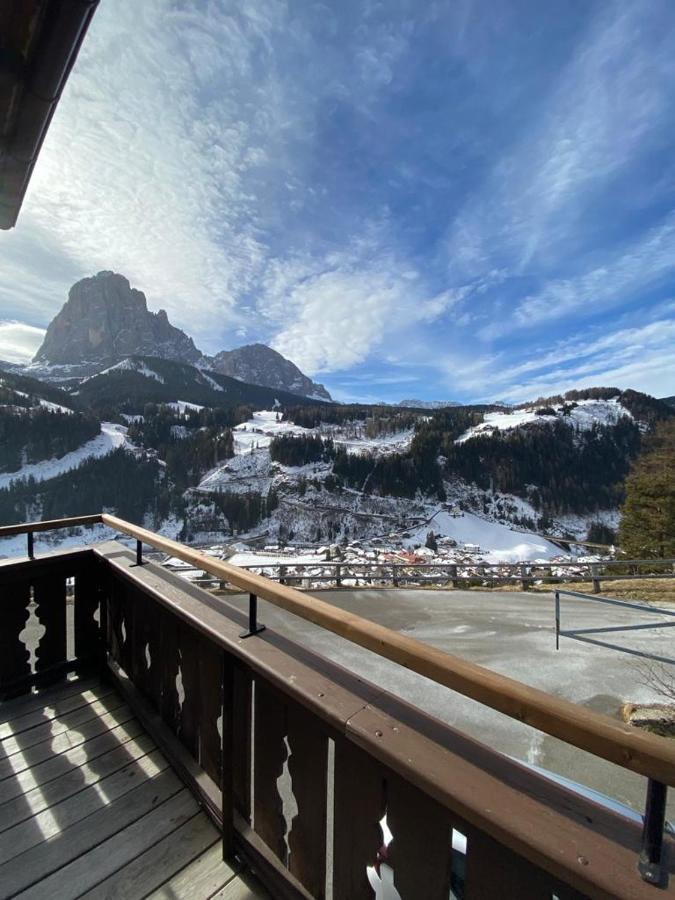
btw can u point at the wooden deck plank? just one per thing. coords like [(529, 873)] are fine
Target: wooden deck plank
[(85, 753), (53, 821), (201, 878), (244, 887), (17, 762), (53, 710), (37, 863), (173, 853), (52, 727), (21, 706), (30, 802), (85, 872)]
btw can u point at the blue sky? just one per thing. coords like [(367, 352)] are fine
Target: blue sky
[(460, 200)]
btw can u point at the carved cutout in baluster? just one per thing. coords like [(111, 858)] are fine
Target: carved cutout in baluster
[(360, 803), (32, 635), (269, 758), (308, 767), (14, 655), (49, 594), (145, 653), (117, 625), (421, 850)]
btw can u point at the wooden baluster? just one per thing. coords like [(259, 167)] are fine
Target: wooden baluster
[(169, 662), (89, 597), (359, 804), (241, 688), (14, 655), (421, 850), (211, 706), (308, 767), (494, 872), (188, 729), (269, 758), (49, 594), (146, 663)]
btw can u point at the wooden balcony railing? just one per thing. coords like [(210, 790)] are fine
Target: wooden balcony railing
[(299, 760)]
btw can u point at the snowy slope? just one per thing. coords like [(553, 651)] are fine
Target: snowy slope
[(583, 416), (111, 437), (261, 428), (498, 543)]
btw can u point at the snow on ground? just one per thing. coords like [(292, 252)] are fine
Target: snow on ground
[(211, 381), (61, 538), (583, 416), (398, 442), (182, 407), (497, 543), (241, 474), (272, 559), (259, 430), (132, 365), (111, 437), (46, 404)]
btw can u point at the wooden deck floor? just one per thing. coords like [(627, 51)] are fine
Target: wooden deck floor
[(89, 807)]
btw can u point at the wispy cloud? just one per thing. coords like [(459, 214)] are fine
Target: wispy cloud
[(19, 342)]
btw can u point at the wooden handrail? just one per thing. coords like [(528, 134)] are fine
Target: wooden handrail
[(49, 525), (594, 732)]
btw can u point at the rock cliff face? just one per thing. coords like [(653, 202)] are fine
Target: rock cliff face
[(105, 319), (259, 364)]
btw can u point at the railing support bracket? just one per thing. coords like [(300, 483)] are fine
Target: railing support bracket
[(253, 626), (649, 864), (139, 554)]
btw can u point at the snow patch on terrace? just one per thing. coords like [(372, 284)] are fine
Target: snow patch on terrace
[(583, 416), (498, 543), (132, 365), (111, 437)]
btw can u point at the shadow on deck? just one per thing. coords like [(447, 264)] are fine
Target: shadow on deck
[(90, 807)]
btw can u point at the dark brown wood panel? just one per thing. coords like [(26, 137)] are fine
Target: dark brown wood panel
[(49, 594), (14, 656), (359, 804), (169, 662), (269, 757), (421, 850), (494, 872), (308, 767), (211, 707), (190, 711), (242, 691), (89, 598)]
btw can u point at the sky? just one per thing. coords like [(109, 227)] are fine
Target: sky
[(461, 200)]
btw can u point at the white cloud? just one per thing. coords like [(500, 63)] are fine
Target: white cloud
[(19, 342), (639, 357)]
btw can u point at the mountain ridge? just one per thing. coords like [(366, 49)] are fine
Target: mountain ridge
[(105, 320)]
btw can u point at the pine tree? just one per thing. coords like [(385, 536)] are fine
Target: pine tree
[(648, 516)]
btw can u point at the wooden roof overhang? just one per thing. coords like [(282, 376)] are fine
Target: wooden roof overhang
[(39, 42)]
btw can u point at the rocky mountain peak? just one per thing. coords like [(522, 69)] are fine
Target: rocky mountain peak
[(260, 364), (105, 319)]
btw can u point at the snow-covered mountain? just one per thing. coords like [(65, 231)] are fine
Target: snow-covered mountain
[(260, 364), (105, 321)]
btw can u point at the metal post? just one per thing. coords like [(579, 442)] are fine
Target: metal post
[(29, 538), (523, 575), (338, 576), (253, 627), (557, 620), (394, 575), (649, 864), (453, 575), (139, 553), (595, 571)]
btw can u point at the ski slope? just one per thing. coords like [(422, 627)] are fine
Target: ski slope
[(111, 437)]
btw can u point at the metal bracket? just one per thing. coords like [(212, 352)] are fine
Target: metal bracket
[(253, 626), (139, 554), (649, 864)]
